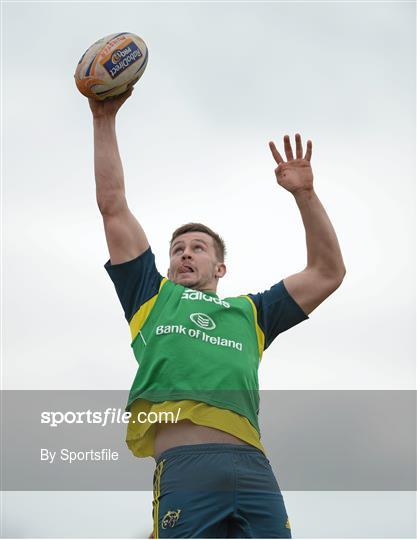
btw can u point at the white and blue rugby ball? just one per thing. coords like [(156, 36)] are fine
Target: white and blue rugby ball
[(111, 66)]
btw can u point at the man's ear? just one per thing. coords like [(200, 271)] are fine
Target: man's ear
[(221, 270)]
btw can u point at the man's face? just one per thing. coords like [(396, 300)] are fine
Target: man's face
[(193, 262)]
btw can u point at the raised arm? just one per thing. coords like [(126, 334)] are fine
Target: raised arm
[(125, 237), (325, 268)]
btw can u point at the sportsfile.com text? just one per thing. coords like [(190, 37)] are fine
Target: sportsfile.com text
[(110, 415)]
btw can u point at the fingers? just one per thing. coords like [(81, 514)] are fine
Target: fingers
[(287, 148), (298, 146), (120, 98), (123, 97), (309, 150), (126, 95), (275, 153)]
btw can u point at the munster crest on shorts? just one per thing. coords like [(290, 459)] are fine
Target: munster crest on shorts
[(170, 518)]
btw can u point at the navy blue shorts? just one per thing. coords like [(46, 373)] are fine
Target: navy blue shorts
[(217, 491)]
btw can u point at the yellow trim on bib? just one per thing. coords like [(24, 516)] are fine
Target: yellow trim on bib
[(141, 435), (259, 334), (139, 318)]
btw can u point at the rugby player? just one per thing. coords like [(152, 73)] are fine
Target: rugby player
[(198, 354)]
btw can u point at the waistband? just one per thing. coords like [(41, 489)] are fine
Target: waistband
[(208, 448)]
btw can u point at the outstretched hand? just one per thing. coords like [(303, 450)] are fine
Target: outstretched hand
[(294, 175)]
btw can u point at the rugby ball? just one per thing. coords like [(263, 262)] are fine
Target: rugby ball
[(111, 65)]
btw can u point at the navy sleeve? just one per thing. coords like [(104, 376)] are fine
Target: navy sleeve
[(136, 281), (277, 311)]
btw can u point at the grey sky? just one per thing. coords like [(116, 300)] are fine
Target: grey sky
[(222, 80)]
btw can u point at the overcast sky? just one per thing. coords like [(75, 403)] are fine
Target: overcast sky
[(222, 80)]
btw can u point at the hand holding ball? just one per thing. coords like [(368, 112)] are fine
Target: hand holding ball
[(111, 66), (108, 107)]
